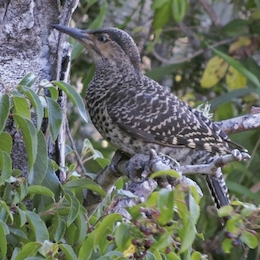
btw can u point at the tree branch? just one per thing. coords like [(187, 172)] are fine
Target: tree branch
[(211, 13), (195, 54)]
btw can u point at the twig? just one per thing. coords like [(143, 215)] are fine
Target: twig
[(72, 143), (211, 13), (195, 54), (207, 169), (240, 124)]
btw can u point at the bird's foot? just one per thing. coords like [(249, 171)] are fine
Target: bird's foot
[(240, 156), (169, 160)]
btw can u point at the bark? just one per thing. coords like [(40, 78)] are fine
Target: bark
[(28, 44)]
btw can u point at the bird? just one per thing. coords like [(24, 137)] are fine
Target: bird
[(136, 114)]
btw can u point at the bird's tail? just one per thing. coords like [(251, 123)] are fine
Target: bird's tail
[(218, 188)]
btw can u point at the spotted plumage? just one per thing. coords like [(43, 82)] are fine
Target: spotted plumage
[(135, 113)]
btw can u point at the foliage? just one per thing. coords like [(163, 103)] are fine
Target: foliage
[(42, 218)]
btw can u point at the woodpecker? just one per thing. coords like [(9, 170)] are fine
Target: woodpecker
[(135, 113)]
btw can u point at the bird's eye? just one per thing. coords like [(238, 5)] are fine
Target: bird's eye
[(102, 38)]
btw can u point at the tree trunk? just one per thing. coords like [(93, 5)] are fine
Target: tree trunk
[(29, 44)]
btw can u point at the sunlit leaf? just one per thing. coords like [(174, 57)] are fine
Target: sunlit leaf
[(239, 43), (225, 211), (249, 239), (227, 245), (28, 80), (238, 66), (21, 107), (235, 79), (215, 70), (171, 173)]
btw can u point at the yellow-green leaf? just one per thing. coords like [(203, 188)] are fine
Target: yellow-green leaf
[(215, 70), (234, 79)]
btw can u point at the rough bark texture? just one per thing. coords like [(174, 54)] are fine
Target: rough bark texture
[(27, 44)]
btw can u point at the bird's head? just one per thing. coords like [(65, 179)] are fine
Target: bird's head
[(110, 45)]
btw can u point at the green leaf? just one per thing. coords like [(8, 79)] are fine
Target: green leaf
[(36, 103), (74, 96), (51, 181), (4, 206), (103, 162), (6, 142), (238, 188), (122, 236), (5, 166), (77, 49), (4, 110), (163, 241), (41, 162), (226, 97), (80, 223), (55, 117), (3, 244), (40, 190), (238, 66), (194, 209), (103, 226), (165, 203), (85, 183), (28, 80), (53, 91), (58, 228), (158, 3), (236, 27), (257, 3), (227, 245), (21, 107), (87, 247), (98, 22), (29, 249), (30, 138), (179, 9), (162, 15), (74, 209), (187, 237), (225, 211), (171, 173), (249, 239), (37, 226), (68, 252), (22, 216), (196, 256)]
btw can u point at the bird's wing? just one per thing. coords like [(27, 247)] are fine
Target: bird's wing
[(154, 115)]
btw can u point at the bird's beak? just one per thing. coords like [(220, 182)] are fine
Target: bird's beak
[(80, 35)]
